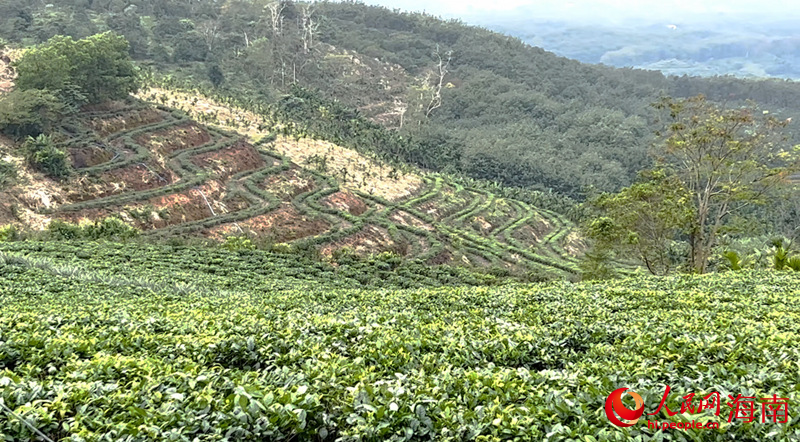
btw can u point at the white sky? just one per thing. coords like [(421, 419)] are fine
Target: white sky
[(651, 9)]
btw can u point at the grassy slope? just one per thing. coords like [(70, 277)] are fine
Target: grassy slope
[(272, 356)]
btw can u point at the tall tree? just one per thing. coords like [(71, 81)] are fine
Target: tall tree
[(96, 68), (644, 220), (727, 159)]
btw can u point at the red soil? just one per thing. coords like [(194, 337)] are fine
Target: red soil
[(136, 118), (133, 178), (282, 225), (288, 184), (89, 156), (346, 202), (173, 139), (231, 160), (371, 239)]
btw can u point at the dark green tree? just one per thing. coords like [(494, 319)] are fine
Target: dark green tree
[(25, 113), (97, 67), (215, 75), (44, 156), (643, 220)]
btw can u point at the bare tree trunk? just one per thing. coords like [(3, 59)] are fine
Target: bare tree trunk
[(276, 23), (442, 71), (276, 18), (309, 27), (210, 32)]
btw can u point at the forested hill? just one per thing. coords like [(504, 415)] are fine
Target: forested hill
[(470, 100)]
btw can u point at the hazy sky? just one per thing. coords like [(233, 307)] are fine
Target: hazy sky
[(650, 9)]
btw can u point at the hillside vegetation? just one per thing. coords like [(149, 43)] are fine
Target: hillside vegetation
[(170, 176), (149, 344), (470, 100), (254, 174)]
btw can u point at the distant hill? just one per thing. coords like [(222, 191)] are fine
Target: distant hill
[(746, 48)]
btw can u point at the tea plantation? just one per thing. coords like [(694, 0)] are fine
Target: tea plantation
[(138, 344)]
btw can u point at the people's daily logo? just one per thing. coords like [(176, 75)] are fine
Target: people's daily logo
[(615, 407)]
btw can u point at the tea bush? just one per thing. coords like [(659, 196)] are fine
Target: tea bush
[(137, 344)]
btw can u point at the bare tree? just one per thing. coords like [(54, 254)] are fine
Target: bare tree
[(276, 23), (442, 69), (309, 27), (209, 29), (276, 18)]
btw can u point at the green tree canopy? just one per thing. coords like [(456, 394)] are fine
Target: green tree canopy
[(25, 113), (644, 220), (728, 159), (712, 165), (94, 69)]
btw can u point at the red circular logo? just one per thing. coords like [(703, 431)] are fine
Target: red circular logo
[(615, 407)]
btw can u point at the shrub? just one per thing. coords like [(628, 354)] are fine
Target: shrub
[(9, 233), (387, 259), (237, 243), (110, 228), (794, 263), (344, 256), (282, 248), (597, 264), (92, 69), (781, 257), (25, 113), (733, 260), (44, 156), (8, 173), (62, 230)]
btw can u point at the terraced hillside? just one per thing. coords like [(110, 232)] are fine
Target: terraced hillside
[(169, 175)]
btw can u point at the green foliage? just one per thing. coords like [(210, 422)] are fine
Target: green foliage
[(781, 256), (725, 159), (9, 233), (99, 339), (97, 68), (282, 248), (29, 113), (8, 174), (190, 46), (598, 265), (236, 243), (215, 75), (794, 263), (42, 154), (734, 261), (644, 219), (511, 113), (109, 228), (62, 230), (760, 254)]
